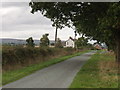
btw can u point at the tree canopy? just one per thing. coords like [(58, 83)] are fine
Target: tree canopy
[(30, 42), (44, 41), (98, 21), (58, 43), (81, 42)]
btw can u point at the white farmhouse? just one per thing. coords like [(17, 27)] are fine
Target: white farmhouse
[(70, 42)]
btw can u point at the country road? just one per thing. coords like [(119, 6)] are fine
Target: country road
[(59, 75)]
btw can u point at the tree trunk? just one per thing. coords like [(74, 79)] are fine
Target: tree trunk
[(118, 54), (118, 47)]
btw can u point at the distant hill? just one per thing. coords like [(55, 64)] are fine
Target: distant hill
[(12, 41), (19, 41)]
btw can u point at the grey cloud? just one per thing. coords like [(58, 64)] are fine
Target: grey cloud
[(15, 4), (18, 22), (22, 17)]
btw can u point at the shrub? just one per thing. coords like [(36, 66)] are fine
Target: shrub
[(21, 56)]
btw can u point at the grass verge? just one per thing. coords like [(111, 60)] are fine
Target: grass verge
[(14, 75), (99, 72)]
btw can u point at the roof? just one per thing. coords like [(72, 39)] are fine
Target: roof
[(71, 39)]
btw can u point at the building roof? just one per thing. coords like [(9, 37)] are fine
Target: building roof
[(71, 39)]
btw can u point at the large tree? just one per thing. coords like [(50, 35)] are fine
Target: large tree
[(99, 21), (53, 14), (81, 42)]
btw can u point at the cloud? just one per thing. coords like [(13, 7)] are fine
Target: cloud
[(16, 17), (18, 22), (15, 4)]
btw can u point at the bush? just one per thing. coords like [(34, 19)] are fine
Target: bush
[(21, 56), (14, 55), (70, 49)]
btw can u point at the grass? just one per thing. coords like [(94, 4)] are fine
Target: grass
[(99, 72), (14, 75)]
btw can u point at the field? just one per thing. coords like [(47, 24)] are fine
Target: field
[(101, 71)]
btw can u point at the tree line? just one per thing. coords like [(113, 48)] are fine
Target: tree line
[(44, 42)]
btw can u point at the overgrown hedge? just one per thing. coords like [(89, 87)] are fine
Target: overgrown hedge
[(20, 55)]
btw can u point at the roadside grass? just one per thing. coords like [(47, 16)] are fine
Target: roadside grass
[(14, 75), (99, 72)]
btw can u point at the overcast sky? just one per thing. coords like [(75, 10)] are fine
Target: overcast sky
[(18, 22)]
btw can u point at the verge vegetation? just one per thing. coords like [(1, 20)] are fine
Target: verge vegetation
[(99, 72), (14, 57)]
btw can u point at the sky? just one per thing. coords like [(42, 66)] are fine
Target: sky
[(19, 23)]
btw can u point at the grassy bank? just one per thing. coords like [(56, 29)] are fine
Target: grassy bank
[(13, 75), (99, 72)]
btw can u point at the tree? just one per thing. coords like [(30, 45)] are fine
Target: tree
[(98, 21), (81, 42), (58, 43), (53, 14), (44, 41), (30, 42)]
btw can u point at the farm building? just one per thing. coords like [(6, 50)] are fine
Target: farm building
[(70, 42)]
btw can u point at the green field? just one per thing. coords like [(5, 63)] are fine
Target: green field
[(13, 75), (99, 72)]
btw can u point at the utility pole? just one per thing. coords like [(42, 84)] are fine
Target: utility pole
[(75, 39), (57, 25), (56, 34)]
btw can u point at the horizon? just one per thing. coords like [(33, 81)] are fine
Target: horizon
[(26, 38), (91, 42)]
